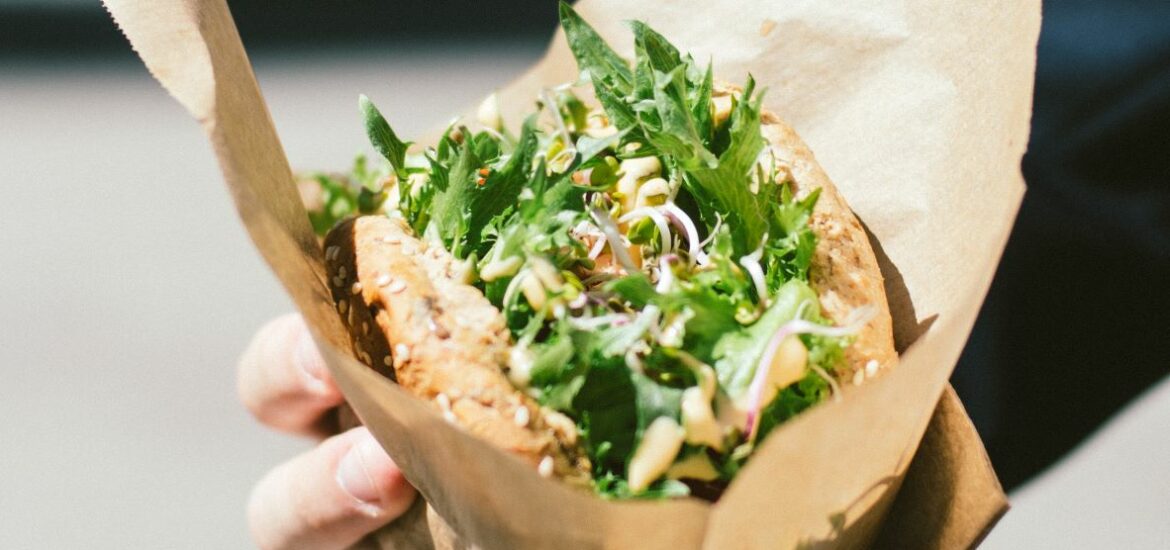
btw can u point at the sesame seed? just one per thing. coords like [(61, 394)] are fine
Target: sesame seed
[(338, 282), (383, 280), (387, 361), (342, 306), (871, 368), (352, 311), (356, 288), (858, 377), (439, 330), (391, 240), (342, 272), (366, 357), (332, 252), (545, 469), (449, 416), (403, 353), (365, 328), (521, 417), (443, 401), (396, 287)]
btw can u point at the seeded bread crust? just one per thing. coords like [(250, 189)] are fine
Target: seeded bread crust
[(845, 272), (412, 319)]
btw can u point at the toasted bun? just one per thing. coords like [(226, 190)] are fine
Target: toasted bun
[(411, 319), (844, 272)]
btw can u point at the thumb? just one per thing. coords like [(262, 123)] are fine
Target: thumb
[(329, 497)]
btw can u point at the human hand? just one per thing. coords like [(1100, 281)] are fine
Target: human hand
[(334, 494)]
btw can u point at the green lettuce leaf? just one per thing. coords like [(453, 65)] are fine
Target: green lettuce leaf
[(382, 137), (738, 353), (725, 188), (467, 200), (593, 54)]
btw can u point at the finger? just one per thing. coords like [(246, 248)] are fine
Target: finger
[(329, 497), (282, 378)]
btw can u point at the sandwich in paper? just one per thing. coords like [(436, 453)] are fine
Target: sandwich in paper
[(629, 292)]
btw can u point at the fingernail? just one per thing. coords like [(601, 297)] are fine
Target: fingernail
[(355, 477), (308, 358)]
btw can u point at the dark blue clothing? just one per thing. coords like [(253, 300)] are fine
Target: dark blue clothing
[(1078, 319)]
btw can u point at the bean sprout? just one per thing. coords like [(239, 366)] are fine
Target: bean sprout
[(614, 237), (751, 263), (659, 221), (684, 222), (855, 323)]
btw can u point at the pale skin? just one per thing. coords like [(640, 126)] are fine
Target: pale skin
[(334, 494)]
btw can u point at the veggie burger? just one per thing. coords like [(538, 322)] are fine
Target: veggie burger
[(630, 294)]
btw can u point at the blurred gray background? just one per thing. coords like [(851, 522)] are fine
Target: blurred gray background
[(128, 287)]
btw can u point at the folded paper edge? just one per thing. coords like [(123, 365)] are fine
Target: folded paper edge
[(950, 496)]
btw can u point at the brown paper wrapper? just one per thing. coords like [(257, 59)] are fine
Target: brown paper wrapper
[(918, 110)]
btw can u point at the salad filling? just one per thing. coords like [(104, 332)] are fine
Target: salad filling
[(648, 254)]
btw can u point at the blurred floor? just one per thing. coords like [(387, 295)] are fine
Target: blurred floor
[(128, 286)]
